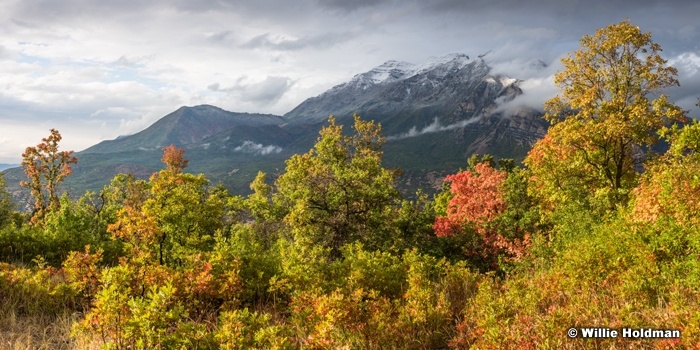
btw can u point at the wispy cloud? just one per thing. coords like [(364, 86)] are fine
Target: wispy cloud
[(434, 127), (257, 148)]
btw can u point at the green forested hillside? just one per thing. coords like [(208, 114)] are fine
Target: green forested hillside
[(330, 255)]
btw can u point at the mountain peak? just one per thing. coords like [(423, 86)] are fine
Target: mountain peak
[(439, 84), (393, 70), (458, 59), (203, 107), (387, 72), (186, 126)]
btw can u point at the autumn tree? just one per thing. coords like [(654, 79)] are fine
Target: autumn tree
[(125, 197), (671, 186), (46, 167), (260, 203), (608, 112), (173, 215), (339, 192), (476, 199), (174, 159), (487, 206)]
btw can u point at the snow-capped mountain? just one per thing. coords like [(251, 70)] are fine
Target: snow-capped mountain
[(402, 95), (434, 114), (388, 72), (393, 71)]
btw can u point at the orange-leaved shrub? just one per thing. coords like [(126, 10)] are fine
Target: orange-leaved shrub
[(478, 202)]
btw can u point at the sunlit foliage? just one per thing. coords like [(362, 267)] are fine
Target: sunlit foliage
[(609, 110), (46, 167)]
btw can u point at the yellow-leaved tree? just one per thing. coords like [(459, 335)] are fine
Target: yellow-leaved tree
[(607, 115)]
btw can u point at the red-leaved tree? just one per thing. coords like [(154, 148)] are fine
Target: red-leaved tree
[(477, 202)]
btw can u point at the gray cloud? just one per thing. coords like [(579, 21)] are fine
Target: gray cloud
[(222, 36), (536, 80), (686, 96), (269, 8), (556, 10), (350, 6), (47, 9), (320, 41), (6, 54), (267, 91)]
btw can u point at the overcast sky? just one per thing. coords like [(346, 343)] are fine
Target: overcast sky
[(97, 69)]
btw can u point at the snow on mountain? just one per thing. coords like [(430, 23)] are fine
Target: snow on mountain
[(392, 71), (505, 81), (440, 83), (455, 61), (388, 72)]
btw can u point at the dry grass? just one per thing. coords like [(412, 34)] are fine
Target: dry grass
[(35, 331)]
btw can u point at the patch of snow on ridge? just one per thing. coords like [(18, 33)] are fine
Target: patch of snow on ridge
[(454, 60), (389, 71), (392, 71), (505, 81)]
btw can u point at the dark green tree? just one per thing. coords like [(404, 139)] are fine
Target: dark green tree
[(5, 203)]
